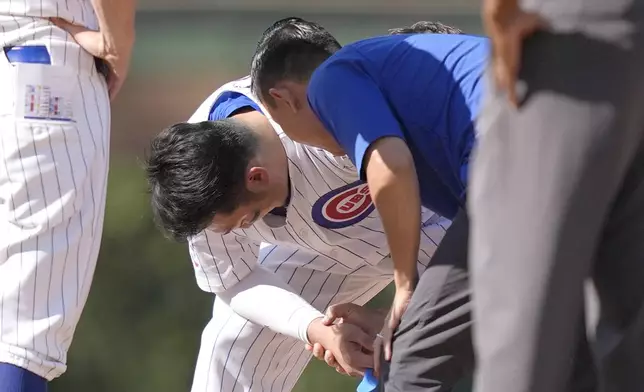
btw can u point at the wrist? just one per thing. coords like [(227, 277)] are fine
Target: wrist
[(316, 331), (406, 280), (119, 41)]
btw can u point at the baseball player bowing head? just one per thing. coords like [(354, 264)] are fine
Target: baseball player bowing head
[(280, 232)]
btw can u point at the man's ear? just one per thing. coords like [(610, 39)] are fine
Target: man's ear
[(283, 95), (257, 179)]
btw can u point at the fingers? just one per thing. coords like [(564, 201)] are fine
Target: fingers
[(530, 23), (335, 312), (67, 26), (377, 352), (326, 356), (512, 70), (507, 43), (330, 359), (388, 336), (89, 40), (386, 346), (360, 361), (527, 25), (114, 84), (73, 29), (318, 351), (505, 64)]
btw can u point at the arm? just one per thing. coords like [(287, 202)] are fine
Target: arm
[(267, 300), (226, 265), (260, 296), (352, 107), (114, 40), (115, 19), (116, 25), (391, 176), (507, 26)]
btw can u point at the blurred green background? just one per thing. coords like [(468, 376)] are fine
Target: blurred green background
[(141, 327)]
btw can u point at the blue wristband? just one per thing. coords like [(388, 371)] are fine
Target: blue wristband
[(369, 382)]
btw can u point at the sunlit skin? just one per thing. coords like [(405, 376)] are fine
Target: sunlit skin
[(266, 178)]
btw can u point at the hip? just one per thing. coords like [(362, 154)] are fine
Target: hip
[(61, 47)]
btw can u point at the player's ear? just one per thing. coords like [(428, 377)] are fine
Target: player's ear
[(284, 96), (257, 179)]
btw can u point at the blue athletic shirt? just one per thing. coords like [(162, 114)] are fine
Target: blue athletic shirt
[(423, 88)]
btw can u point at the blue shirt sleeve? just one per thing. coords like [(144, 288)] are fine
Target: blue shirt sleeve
[(351, 106), (228, 103)]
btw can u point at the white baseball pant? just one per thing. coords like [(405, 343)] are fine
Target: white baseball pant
[(53, 178)]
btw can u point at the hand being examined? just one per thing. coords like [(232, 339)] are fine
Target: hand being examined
[(344, 338)]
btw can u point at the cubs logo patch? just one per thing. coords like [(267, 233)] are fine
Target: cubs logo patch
[(343, 206)]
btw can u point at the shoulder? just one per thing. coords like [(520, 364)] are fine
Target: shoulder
[(235, 88), (361, 57), (447, 43)]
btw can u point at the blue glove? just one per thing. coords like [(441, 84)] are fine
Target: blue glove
[(369, 382)]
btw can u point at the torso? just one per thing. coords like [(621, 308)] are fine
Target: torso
[(433, 84), (330, 211)]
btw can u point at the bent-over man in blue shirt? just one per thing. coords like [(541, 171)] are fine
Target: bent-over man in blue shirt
[(402, 107)]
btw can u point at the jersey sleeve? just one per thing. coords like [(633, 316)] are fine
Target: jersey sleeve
[(228, 266), (351, 106), (228, 103), (221, 261)]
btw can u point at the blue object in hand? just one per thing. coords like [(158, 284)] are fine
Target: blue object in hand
[(369, 382)]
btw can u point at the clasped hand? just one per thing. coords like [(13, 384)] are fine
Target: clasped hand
[(345, 337)]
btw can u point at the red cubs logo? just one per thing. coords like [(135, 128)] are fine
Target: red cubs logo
[(343, 207)]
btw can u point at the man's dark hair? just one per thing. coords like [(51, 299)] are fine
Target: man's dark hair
[(197, 170), (290, 49), (425, 27)]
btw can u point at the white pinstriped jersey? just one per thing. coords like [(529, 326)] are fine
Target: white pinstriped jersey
[(78, 12), (220, 261)]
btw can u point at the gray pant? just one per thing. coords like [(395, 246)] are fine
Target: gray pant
[(432, 348), (557, 196)]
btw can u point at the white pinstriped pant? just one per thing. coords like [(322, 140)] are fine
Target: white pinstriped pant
[(53, 178), (237, 355)]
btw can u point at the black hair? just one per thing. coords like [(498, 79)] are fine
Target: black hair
[(425, 27), (197, 170), (289, 49)]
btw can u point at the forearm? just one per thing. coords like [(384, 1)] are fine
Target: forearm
[(498, 9), (116, 18), (393, 185), (265, 299)]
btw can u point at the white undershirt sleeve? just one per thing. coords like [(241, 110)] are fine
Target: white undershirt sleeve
[(265, 299), (227, 265)]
